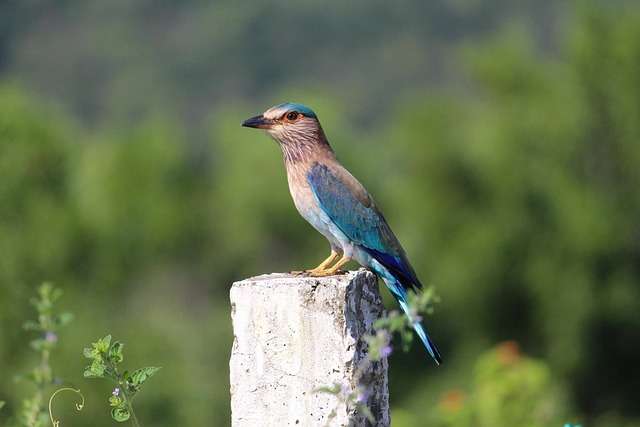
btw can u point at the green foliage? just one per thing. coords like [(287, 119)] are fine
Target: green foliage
[(139, 376), (396, 322), (33, 411), (507, 389), (105, 357)]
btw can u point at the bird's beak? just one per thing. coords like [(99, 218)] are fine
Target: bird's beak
[(258, 122)]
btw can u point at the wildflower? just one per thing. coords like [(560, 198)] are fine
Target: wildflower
[(452, 401), (386, 351), (51, 337), (363, 394), (508, 352), (116, 391), (345, 390)]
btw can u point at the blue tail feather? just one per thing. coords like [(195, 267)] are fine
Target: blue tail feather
[(400, 294), (426, 340)]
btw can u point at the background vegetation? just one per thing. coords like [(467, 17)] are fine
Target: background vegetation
[(501, 139)]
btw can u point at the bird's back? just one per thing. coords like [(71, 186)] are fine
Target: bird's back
[(354, 211)]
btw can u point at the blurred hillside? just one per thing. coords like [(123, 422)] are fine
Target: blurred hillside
[(121, 59), (501, 139)]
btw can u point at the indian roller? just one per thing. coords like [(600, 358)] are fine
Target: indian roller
[(335, 203)]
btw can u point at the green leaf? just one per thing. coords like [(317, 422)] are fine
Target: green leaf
[(103, 344), (37, 344), (115, 401), (89, 353), (407, 339), (364, 410), (2, 403), (64, 319), (334, 389), (56, 293), (139, 376), (120, 414), (115, 352), (96, 369), (31, 326)]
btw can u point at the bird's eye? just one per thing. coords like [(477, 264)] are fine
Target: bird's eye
[(292, 116)]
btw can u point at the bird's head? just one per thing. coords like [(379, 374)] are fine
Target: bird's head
[(290, 124)]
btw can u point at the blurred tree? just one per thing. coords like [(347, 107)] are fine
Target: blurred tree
[(533, 186), (121, 59), (37, 229)]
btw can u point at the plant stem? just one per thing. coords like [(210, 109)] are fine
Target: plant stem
[(122, 383), (134, 419), (41, 384)]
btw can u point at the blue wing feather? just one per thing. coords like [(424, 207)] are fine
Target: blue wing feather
[(397, 265), (361, 222)]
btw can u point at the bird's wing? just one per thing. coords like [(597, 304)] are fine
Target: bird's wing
[(353, 211)]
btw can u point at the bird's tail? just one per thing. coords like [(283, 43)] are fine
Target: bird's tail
[(400, 294), (417, 326)]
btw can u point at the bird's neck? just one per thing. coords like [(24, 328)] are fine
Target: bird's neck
[(305, 150)]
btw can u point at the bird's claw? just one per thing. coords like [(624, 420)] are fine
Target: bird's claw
[(326, 273), (312, 273)]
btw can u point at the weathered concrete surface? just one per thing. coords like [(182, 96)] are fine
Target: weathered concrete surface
[(295, 334)]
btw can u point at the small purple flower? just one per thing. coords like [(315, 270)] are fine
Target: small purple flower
[(51, 337), (363, 394), (345, 390), (386, 351), (116, 391)]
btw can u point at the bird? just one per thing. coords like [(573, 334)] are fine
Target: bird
[(338, 206)]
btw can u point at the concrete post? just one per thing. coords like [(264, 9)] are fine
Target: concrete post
[(293, 335)]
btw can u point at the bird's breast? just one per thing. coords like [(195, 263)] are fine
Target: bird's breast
[(301, 192), (305, 201)]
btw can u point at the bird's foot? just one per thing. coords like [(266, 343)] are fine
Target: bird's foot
[(335, 270), (322, 270), (326, 273)]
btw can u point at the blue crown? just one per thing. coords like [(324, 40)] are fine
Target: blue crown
[(302, 109)]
